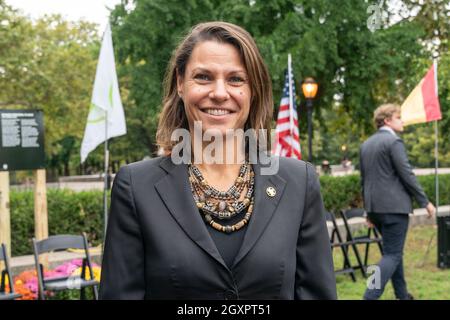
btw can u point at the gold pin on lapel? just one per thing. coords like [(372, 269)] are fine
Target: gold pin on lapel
[(271, 192)]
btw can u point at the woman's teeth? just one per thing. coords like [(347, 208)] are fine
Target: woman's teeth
[(217, 112)]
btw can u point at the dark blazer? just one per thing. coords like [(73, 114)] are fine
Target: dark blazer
[(387, 179), (157, 245)]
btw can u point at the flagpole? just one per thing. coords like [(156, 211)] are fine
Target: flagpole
[(436, 162), (105, 189), (436, 144), (105, 104), (291, 104), (436, 179)]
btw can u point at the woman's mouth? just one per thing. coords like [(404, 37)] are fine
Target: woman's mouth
[(217, 112)]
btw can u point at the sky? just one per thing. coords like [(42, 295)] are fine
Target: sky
[(90, 10)]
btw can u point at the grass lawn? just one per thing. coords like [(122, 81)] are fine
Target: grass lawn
[(424, 279)]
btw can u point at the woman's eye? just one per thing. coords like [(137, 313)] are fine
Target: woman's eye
[(236, 79), (202, 77)]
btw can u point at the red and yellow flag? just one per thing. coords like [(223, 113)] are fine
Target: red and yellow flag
[(422, 104)]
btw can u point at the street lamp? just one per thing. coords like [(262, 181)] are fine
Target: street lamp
[(309, 88), (344, 151)]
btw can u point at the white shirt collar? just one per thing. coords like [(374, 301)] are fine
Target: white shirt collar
[(389, 129)]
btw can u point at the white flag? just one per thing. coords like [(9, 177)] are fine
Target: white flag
[(105, 102)]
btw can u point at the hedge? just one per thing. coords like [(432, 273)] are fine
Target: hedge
[(73, 212), (344, 192), (69, 212)]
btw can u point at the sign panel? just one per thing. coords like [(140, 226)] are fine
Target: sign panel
[(21, 140)]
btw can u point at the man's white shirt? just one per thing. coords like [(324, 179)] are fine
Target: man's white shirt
[(386, 128)]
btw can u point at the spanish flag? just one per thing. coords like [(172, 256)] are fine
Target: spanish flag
[(422, 105)]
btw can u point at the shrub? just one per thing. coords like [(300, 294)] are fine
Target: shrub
[(343, 192), (71, 212)]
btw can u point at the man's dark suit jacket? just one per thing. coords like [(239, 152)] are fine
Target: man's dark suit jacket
[(158, 247), (387, 179)]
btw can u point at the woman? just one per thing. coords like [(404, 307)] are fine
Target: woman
[(220, 230)]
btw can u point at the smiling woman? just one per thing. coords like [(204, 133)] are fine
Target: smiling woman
[(219, 230), (214, 88), (225, 58)]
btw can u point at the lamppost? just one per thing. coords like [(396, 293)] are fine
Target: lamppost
[(344, 152), (309, 88), (345, 161)]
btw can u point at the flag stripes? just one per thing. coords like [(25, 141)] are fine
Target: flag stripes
[(287, 140)]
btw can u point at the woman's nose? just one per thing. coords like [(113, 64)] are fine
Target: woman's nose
[(219, 91)]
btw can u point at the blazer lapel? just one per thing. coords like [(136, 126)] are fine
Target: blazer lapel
[(264, 209), (175, 191)]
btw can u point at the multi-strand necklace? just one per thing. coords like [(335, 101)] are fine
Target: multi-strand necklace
[(223, 205)]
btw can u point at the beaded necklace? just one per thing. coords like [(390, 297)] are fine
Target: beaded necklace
[(219, 205)]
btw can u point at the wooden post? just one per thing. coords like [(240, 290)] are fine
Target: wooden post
[(40, 206), (5, 217)]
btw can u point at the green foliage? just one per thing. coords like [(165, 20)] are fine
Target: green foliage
[(420, 144), (428, 183), (341, 192), (50, 64), (22, 222), (72, 294), (69, 212), (72, 212), (356, 69), (344, 192)]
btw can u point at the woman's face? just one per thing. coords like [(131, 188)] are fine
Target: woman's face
[(215, 88)]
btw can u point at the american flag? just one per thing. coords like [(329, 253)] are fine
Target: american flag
[(287, 140)]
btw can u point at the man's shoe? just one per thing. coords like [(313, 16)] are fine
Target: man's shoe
[(409, 296)]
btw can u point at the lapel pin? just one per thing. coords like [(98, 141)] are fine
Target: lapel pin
[(271, 192)]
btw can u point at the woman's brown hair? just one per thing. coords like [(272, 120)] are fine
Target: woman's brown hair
[(173, 115)]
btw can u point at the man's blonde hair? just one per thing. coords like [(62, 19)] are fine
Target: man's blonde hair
[(385, 111)]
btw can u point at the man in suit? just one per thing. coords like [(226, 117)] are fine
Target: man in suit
[(388, 184)]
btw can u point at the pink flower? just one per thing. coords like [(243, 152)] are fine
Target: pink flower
[(27, 282)]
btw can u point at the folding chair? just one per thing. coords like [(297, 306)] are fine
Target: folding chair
[(336, 240), (58, 243), (6, 274), (371, 236)]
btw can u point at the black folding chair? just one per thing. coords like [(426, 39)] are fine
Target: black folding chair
[(58, 243), (366, 237), (6, 274), (337, 241)]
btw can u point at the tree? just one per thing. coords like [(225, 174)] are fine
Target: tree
[(356, 69), (15, 53), (434, 17), (50, 65)]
